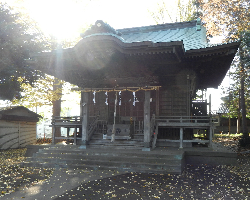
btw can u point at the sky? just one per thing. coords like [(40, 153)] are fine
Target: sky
[(66, 18)]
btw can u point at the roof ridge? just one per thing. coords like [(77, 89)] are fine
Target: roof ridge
[(158, 27)]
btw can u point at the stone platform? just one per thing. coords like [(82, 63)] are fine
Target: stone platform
[(160, 160)]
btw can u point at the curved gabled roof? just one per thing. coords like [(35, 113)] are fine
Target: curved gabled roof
[(131, 57), (186, 32)]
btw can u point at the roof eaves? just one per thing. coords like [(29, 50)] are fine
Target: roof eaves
[(7, 109), (212, 50)]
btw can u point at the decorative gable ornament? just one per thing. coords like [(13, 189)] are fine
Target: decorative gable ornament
[(198, 24), (100, 27)]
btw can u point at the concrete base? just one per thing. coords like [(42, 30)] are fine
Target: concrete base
[(163, 143), (146, 149), (195, 155), (31, 149), (147, 144), (83, 147), (211, 158), (81, 142)]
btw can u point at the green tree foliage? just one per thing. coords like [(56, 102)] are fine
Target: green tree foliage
[(17, 39), (178, 12), (231, 20), (227, 18), (41, 93)]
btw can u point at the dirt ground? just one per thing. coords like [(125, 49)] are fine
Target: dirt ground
[(196, 182)]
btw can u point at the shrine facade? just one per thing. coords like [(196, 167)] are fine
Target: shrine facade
[(142, 79)]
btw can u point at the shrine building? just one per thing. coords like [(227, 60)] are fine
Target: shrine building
[(140, 82)]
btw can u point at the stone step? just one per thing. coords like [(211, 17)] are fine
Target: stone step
[(70, 149), (169, 170), (116, 143), (104, 162), (139, 136), (117, 147), (172, 159), (70, 156)]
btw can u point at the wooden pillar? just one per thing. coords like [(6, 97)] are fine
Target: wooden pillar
[(147, 121), (114, 129), (56, 108), (85, 113), (211, 129), (181, 138), (68, 132)]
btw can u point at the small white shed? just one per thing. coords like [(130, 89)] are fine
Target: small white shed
[(17, 127)]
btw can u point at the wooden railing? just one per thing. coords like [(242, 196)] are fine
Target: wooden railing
[(92, 127), (59, 121), (204, 122), (184, 119), (73, 122)]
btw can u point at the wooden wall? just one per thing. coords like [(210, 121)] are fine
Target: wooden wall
[(17, 134), (173, 103), (175, 97), (127, 106)]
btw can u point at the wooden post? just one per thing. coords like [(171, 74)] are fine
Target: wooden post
[(210, 136), (85, 110), (147, 121), (157, 102), (75, 135), (53, 134), (181, 138), (188, 96), (210, 104), (19, 134), (68, 132)]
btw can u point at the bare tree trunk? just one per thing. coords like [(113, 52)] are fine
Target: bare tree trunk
[(238, 120), (242, 97)]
